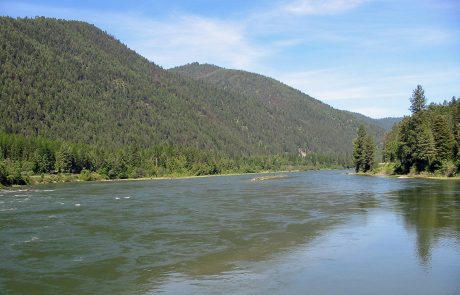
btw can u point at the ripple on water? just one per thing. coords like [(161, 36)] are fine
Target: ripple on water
[(203, 230), (8, 209), (31, 240)]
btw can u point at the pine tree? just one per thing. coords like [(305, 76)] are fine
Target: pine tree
[(424, 148), (358, 148), (363, 151), (418, 100), (369, 151), (444, 139), (457, 130)]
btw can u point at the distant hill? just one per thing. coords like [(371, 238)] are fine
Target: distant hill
[(306, 122), (385, 123), (69, 80), (389, 122)]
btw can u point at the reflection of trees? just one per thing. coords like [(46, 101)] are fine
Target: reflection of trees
[(433, 211)]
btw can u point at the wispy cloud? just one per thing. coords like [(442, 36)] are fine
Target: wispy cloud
[(309, 7), (380, 94), (170, 41), (378, 112), (181, 39), (370, 53)]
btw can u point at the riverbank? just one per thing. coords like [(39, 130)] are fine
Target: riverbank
[(408, 176), (385, 170), (95, 177)]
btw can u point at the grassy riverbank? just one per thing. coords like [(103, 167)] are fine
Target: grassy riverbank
[(387, 169), (94, 176)]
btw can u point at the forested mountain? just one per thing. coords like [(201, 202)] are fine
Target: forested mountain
[(301, 120), (70, 80), (74, 90)]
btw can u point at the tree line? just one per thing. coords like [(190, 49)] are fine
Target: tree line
[(428, 141), (23, 157)]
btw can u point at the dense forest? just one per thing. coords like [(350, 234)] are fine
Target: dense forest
[(76, 99), (23, 157), (428, 141), (71, 81), (305, 122)]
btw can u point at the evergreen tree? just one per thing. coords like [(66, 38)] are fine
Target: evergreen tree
[(416, 148), (369, 151), (418, 100), (444, 139), (457, 130), (391, 145), (363, 151), (428, 140), (424, 149)]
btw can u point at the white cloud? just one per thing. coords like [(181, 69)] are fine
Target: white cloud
[(182, 39), (170, 41), (371, 78), (309, 7), (376, 94), (379, 112), (332, 84)]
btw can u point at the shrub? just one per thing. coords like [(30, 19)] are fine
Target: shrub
[(448, 168)]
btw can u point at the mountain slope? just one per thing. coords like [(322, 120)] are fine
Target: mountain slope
[(385, 123), (389, 122), (69, 80), (307, 122)]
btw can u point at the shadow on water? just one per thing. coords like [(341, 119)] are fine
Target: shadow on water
[(432, 211)]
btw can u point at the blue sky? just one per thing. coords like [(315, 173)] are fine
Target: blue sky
[(359, 55)]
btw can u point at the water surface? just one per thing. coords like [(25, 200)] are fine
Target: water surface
[(313, 232)]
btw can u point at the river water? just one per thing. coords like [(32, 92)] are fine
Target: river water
[(320, 232)]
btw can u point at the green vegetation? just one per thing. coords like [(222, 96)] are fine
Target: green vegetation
[(428, 141), (75, 100), (288, 119), (37, 160), (363, 151), (70, 81)]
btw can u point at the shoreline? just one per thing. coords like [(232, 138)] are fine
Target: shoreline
[(408, 176), (74, 178), (194, 176)]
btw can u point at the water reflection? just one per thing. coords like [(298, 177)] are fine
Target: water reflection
[(133, 237), (432, 211)]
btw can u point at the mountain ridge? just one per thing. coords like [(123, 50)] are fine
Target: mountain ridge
[(276, 96), (70, 80)]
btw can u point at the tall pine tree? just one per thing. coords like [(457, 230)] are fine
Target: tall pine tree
[(363, 151), (444, 139), (418, 100)]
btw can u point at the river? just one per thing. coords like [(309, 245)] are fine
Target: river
[(319, 232)]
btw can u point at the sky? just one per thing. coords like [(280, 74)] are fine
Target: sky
[(365, 56)]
